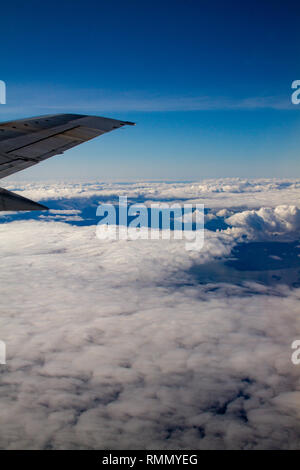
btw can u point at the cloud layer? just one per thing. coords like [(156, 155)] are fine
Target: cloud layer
[(214, 193), (116, 344)]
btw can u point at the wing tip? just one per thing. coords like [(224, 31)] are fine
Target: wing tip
[(40, 207), (14, 202)]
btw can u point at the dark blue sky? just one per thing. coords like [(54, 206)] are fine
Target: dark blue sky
[(209, 85)]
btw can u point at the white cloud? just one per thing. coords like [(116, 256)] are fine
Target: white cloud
[(116, 345), (267, 222), (223, 193)]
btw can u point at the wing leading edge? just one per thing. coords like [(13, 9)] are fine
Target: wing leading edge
[(26, 142)]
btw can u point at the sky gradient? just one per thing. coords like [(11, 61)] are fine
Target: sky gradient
[(209, 86)]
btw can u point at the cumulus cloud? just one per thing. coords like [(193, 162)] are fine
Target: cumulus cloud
[(117, 344), (267, 222)]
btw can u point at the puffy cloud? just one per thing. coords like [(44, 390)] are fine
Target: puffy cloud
[(267, 221), (224, 213)]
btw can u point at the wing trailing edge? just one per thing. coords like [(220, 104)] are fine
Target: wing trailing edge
[(13, 202)]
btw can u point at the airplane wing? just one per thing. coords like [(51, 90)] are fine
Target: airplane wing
[(26, 142)]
